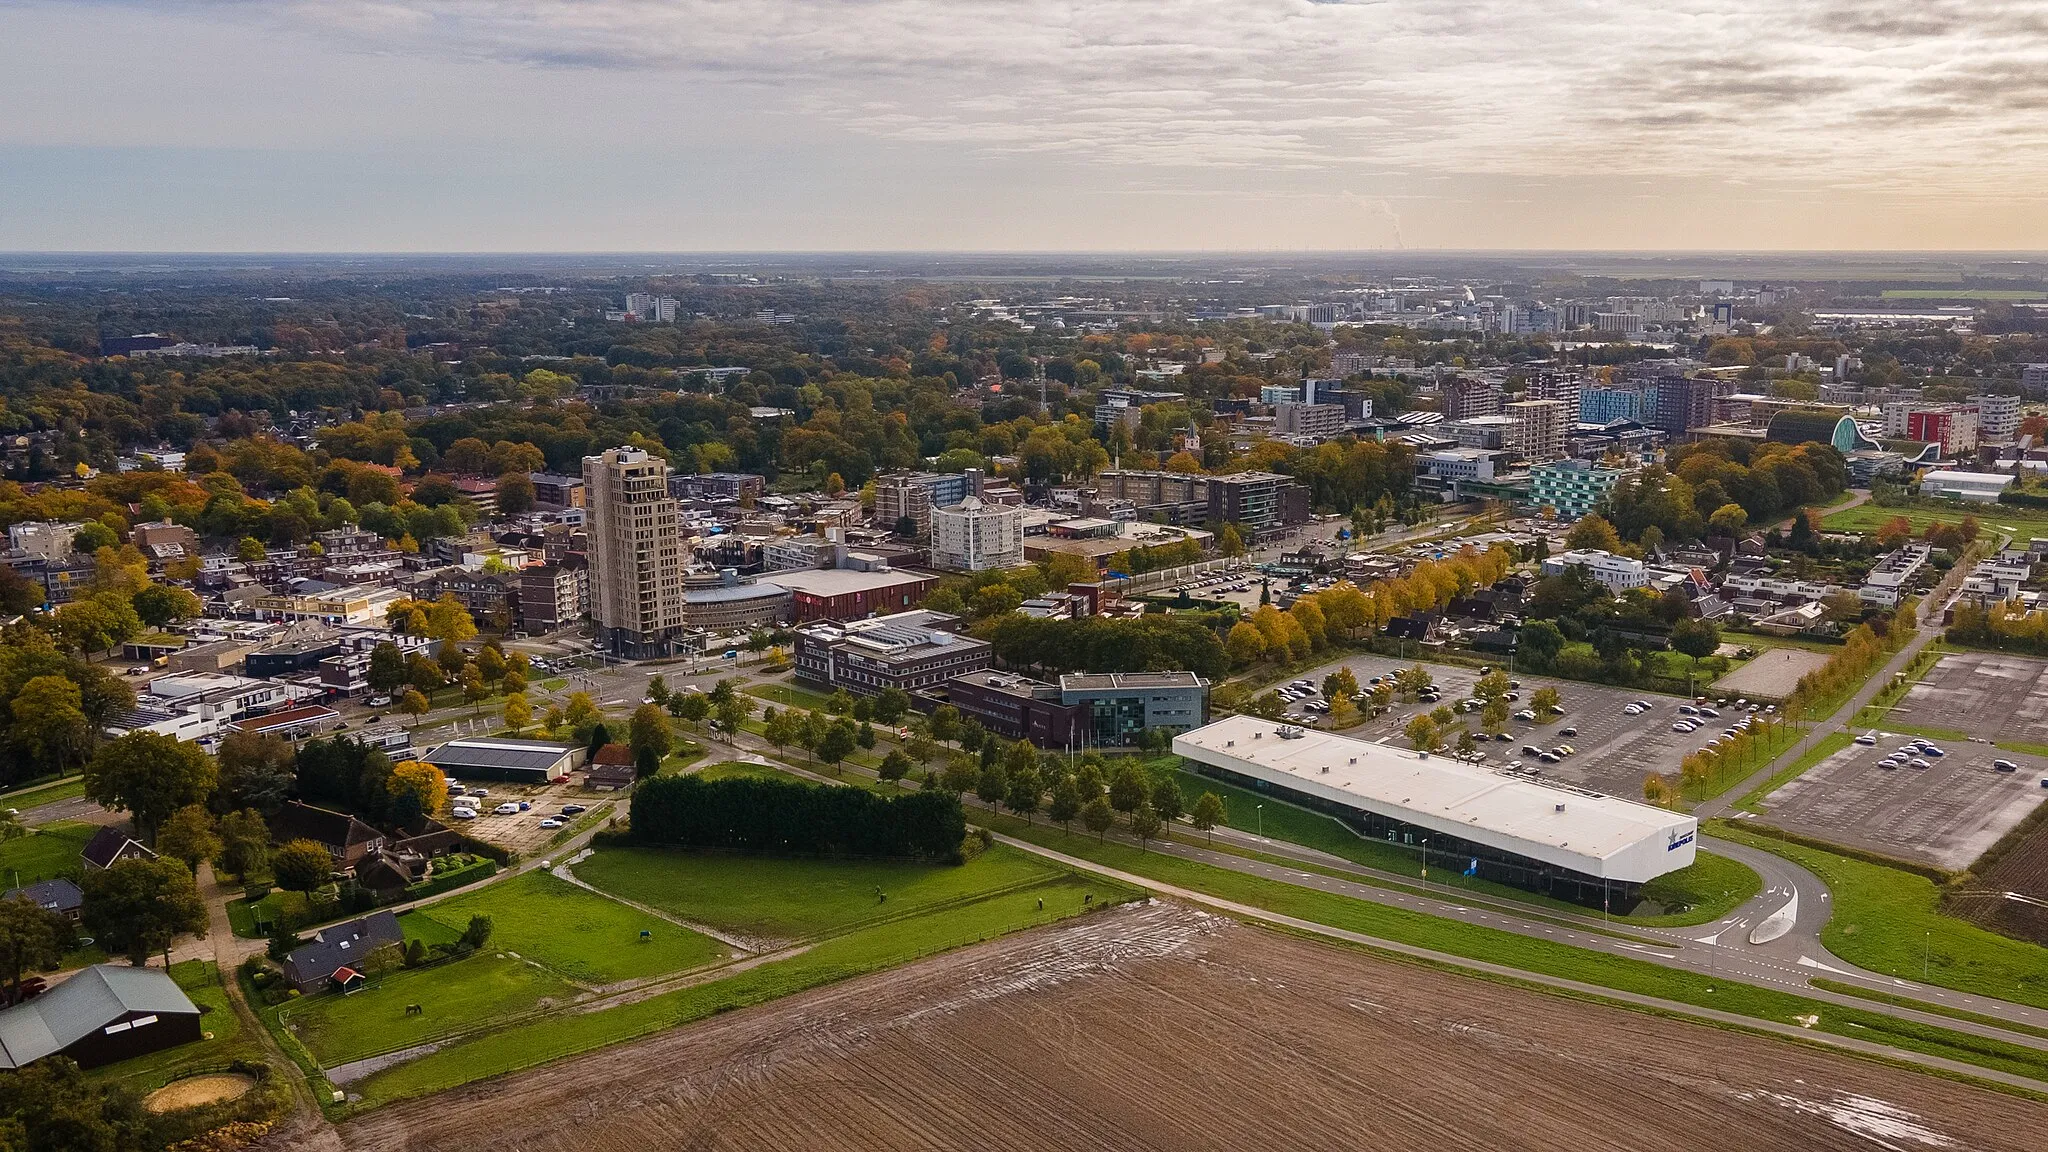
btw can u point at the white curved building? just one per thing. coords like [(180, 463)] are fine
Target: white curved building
[(972, 537)]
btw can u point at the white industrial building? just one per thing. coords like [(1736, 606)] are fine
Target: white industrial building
[(973, 537), (1571, 842), (1976, 487), (1617, 574)]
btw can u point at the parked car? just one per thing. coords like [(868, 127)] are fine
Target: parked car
[(139, 670), (1686, 709), (1931, 750), (1710, 713), (550, 822), (1866, 739), (1527, 714), (1919, 763), (464, 813), (479, 793), (2005, 766), (507, 809), (378, 701), (1568, 730), (524, 806), (1503, 737), (573, 809), (455, 789)]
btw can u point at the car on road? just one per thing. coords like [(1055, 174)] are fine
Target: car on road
[(2005, 766), (1866, 739), (551, 822), (507, 809)]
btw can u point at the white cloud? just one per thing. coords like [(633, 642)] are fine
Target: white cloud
[(1828, 90)]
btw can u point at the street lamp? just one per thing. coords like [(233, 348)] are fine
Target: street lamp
[(1926, 948), (1261, 810)]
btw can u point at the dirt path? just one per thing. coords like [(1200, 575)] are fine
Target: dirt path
[(1158, 1026)]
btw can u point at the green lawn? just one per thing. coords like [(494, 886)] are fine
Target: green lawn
[(458, 995), (69, 788), (1707, 890), (789, 695), (1752, 801), (1887, 920), (799, 898), (243, 917), (46, 852), (741, 769), (2026, 522), (201, 981), (575, 932), (1532, 954), (870, 949)]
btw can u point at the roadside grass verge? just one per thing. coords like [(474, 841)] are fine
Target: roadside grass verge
[(69, 788), (798, 898), (1752, 801), (868, 950), (44, 853), (1721, 778), (1707, 890), (1937, 1009), (1531, 954), (1887, 920), (575, 932)]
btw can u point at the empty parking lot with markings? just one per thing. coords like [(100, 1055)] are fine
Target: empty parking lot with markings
[(1945, 814), (1614, 749), (1997, 696)]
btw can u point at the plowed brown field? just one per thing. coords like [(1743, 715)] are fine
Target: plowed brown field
[(1158, 1027)]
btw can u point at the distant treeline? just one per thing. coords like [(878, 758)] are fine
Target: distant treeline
[(752, 815)]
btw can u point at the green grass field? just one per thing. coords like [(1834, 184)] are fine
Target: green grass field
[(44, 853), (792, 898), (243, 916), (574, 932), (742, 770), (459, 995), (978, 911), (789, 695), (1888, 921), (2022, 522), (1532, 954), (1705, 891)]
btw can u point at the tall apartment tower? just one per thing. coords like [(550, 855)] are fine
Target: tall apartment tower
[(1539, 429), (636, 563)]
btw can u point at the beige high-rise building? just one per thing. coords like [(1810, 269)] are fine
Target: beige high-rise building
[(636, 564), (1539, 429)]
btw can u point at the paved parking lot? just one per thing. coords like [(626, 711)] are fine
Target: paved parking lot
[(1946, 814), (1988, 694), (522, 833), (1615, 750)]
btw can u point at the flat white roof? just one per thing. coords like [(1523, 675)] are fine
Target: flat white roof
[(840, 581), (1574, 828)]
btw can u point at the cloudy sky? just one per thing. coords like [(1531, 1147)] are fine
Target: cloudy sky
[(686, 125)]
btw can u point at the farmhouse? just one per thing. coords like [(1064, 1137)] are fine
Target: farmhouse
[(105, 1013), (346, 838), (60, 896), (336, 953), (1570, 842), (504, 758)]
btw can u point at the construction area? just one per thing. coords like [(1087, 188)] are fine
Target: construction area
[(1946, 814), (1160, 1027), (2000, 697)]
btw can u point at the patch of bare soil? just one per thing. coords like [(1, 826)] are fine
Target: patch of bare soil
[(1161, 1027), (195, 1091)]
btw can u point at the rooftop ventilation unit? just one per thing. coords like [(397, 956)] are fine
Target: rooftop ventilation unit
[(1560, 807)]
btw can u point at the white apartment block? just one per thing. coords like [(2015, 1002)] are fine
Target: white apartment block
[(1886, 582), (1998, 417), (1617, 574), (974, 537)]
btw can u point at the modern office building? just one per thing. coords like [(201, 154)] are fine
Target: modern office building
[(723, 602), (911, 496), (1571, 487), (974, 537), (1687, 402), (1562, 387), (1570, 842), (1606, 405), (636, 555), (1117, 706), (1255, 501), (910, 651)]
